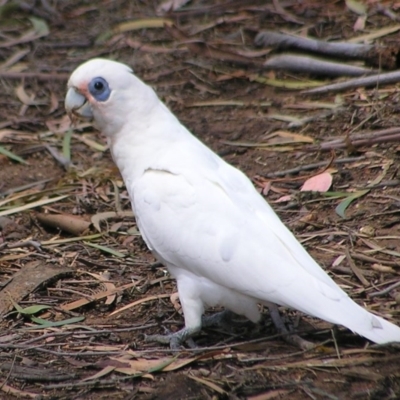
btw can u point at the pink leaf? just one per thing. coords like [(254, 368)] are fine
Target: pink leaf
[(283, 199), (318, 183)]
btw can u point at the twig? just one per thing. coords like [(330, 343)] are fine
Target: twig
[(89, 332), (373, 80), (366, 135), (337, 49), (312, 166), (384, 291), (313, 65), (32, 243), (363, 257), (357, 272), (35, 75), (335, 344), (361, 139), (10, 370)]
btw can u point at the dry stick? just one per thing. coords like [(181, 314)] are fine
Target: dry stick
[(365, 135), (385, 291), (88, 332), (36, 75), (363, 257), (373, 80), (337, 49), (357, 272), (311, 166), (359, 143), (316, 66), (381, 136)]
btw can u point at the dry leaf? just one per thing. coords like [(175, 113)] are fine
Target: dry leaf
[(283, 199), (175, 302), (356, 6), (360, 23), (318, 183), (28, 100), (66, 222), (170, 5), (285, 137)]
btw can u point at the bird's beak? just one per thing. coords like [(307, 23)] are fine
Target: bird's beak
[(77, 104)]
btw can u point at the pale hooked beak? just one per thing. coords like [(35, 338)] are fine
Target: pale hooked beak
[(76, 104)]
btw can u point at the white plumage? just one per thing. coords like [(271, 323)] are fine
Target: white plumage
[(202, 217)]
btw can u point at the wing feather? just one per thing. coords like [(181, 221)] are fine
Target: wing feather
[(225, 232)]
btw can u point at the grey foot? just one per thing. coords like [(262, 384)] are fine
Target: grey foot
[(290, 338), (175, 339)]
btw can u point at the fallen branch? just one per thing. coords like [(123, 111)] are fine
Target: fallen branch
[(313, 65), (372, 80), (361, 139), (384, 291), (336, 49), (308, 167), (41, 76)]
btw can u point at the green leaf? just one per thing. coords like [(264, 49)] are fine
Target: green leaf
[(356, 6), (33, 309), (341, 208), (40, 26), (106, 249), (67, 145), (28, 310), (11, 155), (16, 305), (44, 323)]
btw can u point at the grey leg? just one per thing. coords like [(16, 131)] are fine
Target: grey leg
[(174, 339), (295, 340)]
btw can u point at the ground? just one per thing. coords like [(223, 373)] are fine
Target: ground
[(91, 262)]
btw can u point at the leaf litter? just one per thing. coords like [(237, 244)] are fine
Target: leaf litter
[(99, 290)]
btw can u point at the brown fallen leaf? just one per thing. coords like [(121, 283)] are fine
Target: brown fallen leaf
[(209, 384), (104, 277), (104, 216), (39, 274), (66, 222), (26, 99), (83, 301), (285, 137)]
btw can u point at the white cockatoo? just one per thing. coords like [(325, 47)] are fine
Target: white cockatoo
[(201, 217)]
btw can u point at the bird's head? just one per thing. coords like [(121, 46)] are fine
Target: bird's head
[(105, 92)]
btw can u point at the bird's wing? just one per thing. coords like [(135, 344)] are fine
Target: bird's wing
[(212, 222)]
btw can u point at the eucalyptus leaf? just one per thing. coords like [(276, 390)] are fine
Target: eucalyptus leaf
[(341, 208), (11, 155), (44, 323)]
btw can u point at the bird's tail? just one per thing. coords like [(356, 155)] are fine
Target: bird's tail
[(370, 326), (337, 307)]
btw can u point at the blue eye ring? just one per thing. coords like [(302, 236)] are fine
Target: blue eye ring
[(99, 89)]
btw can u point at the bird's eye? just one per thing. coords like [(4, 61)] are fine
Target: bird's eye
[(99, 89), (98, 85)]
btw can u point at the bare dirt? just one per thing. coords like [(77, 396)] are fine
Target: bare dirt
[(229, 106)]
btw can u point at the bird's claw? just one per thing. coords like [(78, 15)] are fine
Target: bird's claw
[(175, 339)]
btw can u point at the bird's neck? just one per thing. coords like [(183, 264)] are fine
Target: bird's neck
[(143, 141)]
